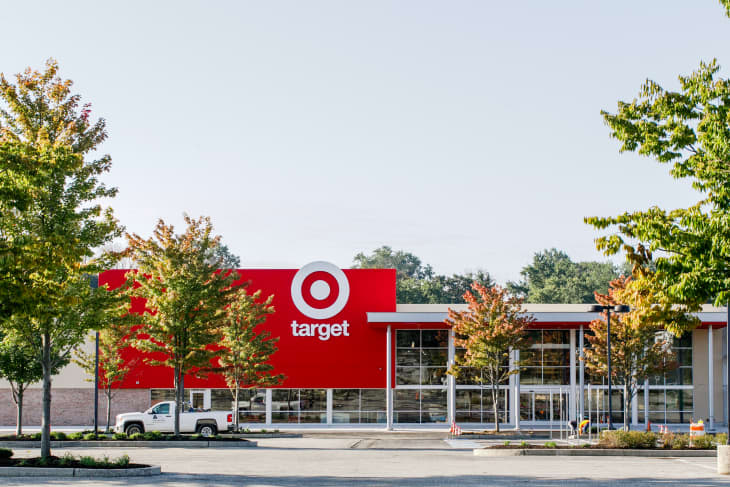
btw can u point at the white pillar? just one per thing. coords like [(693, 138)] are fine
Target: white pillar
[(516, 395), (451, 381), (711, 378), (581, 376), (268, 406), (329, 406), (388, 381), (571, 408)]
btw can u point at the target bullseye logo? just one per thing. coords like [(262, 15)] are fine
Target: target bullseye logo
[(320, 290)]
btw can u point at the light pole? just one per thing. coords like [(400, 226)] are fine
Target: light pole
[(620, 308)]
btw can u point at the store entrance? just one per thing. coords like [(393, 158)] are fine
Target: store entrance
[(544, 404)]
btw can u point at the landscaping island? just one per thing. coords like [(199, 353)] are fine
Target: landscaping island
[(617, 443), (72, 466)]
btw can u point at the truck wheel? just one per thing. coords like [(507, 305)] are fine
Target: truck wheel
[(132, 429), (207, 430)]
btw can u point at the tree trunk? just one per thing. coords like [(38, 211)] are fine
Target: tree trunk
[(178, 401), (46, 418), (627, 403), (494, 406), (108, 409), (235, 409), (19, 411)]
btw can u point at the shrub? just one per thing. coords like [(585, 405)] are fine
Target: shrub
[(705, 442), (122, 461), (59, 435), (196, 436), (524, 444), (88, 461), (120, 436), (35, 436), (628, 439), (506, 443), (721, 439), (136, 436), (153, 435), (680, 442), (550, 444), (90, 436), (76, 436), (66, 460), (6, 453)]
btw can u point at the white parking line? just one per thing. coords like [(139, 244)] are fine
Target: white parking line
[(689, 462)]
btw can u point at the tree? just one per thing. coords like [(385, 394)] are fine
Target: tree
[(406, 264), (688, 130), (113, 367), (21, 367), (227, 259), (178, 277), (245, 358), (492, 326), (416, 282), (639, 345), (553, 277), (56, 224)]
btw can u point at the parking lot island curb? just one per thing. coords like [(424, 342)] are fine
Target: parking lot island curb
[(131, 444), (588, 452), (79, 472)]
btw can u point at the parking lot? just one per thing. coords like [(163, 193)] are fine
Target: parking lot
[(355, 460)]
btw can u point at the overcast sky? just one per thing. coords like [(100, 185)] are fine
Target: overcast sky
[(466, 132)]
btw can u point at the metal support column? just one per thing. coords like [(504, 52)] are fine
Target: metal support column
[(581, 376), (329, 406), (388, 381), (572, 413), (711, 378), (451, 381), (646, 403), (516, 396)]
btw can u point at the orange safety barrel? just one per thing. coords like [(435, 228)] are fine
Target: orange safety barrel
[(697, 429)]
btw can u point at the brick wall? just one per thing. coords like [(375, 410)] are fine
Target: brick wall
[(71, 407)]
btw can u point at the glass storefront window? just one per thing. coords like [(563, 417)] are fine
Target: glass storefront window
[(299, 405)]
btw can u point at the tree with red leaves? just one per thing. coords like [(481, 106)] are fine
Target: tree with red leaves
[(488, 330)]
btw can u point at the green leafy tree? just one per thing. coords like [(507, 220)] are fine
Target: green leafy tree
[(178, 276), (54, 224), (639, 345), (688, 130), (21, 367), (113, 367), (247, 351), (553, 277), (492, 326), (416, 282), (227, 259)]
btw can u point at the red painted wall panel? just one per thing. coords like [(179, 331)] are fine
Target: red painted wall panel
[(353, 361)]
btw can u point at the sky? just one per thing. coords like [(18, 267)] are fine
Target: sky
[(466, 132)]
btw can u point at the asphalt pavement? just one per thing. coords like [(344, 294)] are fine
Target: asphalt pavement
[(354, 460)]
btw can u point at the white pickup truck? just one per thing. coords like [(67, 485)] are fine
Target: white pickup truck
[(161, 417)]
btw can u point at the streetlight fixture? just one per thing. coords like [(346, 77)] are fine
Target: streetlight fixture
[(598, 308)]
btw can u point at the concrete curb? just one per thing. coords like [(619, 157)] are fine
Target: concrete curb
[(588, 452), (79, 472), (131, 444)]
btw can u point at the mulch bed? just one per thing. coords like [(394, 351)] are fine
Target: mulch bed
[(55, 462)]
